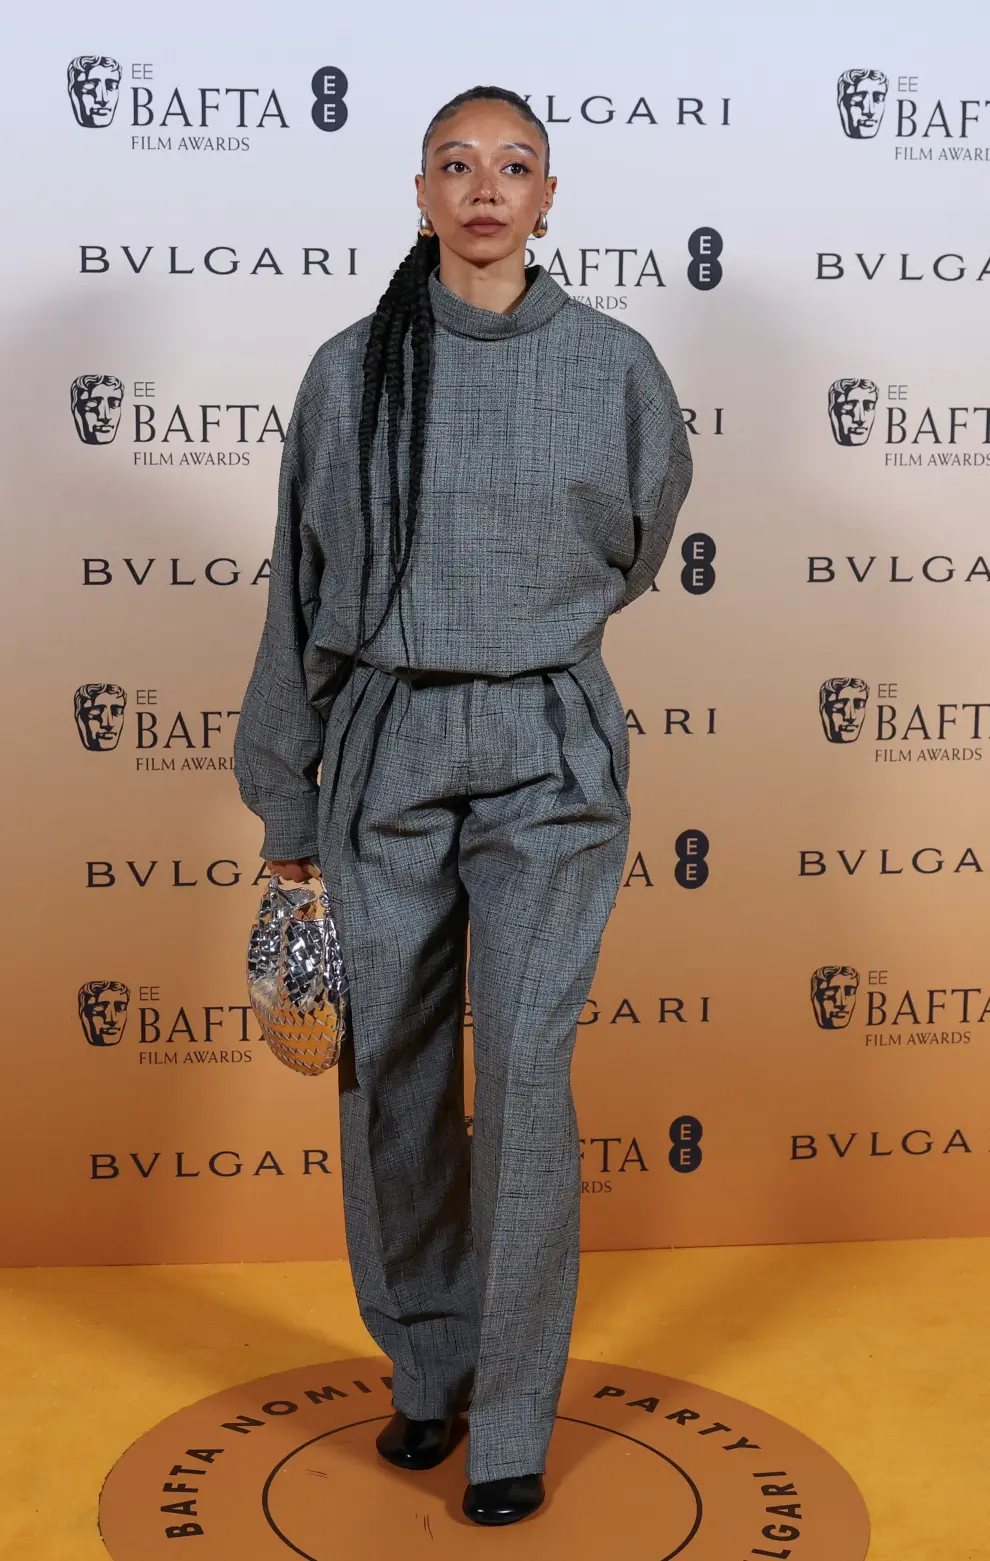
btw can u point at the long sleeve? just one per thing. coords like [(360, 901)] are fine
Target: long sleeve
[(279, 739), (660, 467)]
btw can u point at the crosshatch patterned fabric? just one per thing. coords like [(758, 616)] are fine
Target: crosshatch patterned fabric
[(502, 800), (556, 461)]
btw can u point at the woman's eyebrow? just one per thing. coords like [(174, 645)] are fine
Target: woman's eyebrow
[(512, 146)]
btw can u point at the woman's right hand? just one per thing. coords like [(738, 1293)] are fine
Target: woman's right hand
[(295, 872)]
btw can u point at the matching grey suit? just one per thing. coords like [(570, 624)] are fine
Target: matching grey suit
[(473, 783)]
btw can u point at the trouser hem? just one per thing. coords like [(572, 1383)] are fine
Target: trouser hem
[(508, 1439), (422, 1401)]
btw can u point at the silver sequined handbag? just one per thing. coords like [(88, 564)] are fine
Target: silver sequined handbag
[(296, 978)]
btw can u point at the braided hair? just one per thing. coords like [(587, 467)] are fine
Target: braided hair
[(404, 309)]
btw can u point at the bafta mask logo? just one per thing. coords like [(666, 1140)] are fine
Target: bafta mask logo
[(833, 995), (100, 715), (96, 402), (94, 87), (862, 95), (103, 1011), (842, 707), (852, 406)]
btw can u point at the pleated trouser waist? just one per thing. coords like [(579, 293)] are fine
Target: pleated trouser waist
[(421, 677), (582, 706)]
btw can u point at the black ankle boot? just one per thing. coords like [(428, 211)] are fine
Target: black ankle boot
[(504, 1501), (415, 1444)]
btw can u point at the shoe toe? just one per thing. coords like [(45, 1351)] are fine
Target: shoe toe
[(503, 1501), (415, 1444)]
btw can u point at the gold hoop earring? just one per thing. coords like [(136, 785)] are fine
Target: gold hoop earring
[(426, 228), (540, 231)]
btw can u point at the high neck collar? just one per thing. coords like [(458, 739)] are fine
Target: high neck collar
[(541, 301)]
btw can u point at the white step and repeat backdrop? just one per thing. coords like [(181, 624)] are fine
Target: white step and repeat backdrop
[(789, 1032)]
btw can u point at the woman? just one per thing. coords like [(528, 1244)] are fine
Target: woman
[(473, 479)]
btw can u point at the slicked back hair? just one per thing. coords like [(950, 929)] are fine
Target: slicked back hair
[(404, 310)]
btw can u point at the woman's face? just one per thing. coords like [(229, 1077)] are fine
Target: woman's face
[(484, 186)]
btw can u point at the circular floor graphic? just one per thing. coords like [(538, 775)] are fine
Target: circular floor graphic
[(639, 1465)]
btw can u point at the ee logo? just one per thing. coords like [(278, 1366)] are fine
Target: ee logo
[(705, 270), (691, 849), (685, 1139), (329, 112), (698, 575)]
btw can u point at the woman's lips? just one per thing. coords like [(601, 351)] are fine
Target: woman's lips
[(484, 225)]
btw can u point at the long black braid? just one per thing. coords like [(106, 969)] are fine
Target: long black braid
[(404, 309)]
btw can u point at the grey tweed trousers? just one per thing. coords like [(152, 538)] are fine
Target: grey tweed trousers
[(497, 804)]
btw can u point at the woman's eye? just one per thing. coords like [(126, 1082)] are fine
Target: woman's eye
[(521, 166), (459, 166)]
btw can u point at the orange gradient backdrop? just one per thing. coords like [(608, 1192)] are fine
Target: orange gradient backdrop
[(769, 242)]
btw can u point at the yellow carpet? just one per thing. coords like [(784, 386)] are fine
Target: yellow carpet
[(879, 1351)]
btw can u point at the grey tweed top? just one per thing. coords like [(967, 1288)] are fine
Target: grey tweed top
[(555, 463)]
